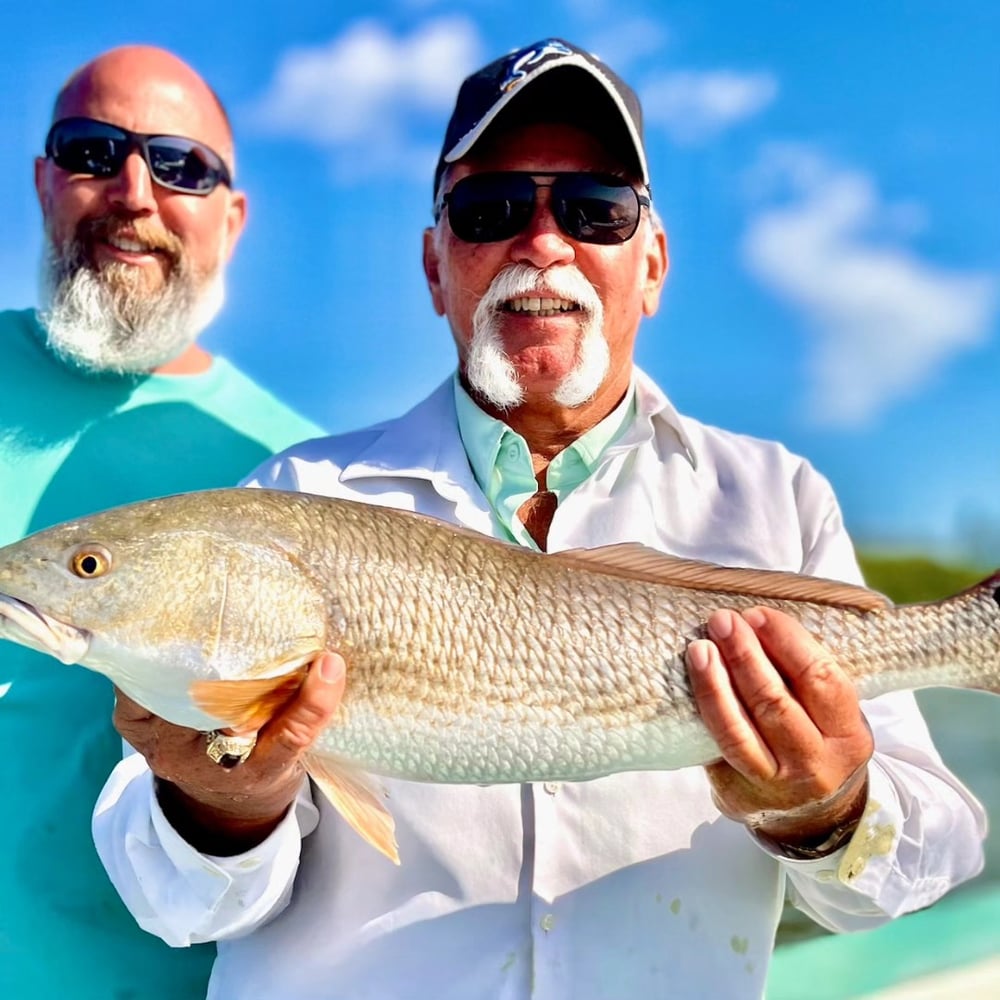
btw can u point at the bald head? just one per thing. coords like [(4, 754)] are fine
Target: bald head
[(150, 90)]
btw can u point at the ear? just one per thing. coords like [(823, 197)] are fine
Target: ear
[(657, 265), (42, 176), (432, 270), (236, 219)]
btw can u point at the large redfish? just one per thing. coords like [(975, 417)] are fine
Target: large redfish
[(469, 660)]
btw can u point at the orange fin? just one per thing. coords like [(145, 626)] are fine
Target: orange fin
[(638, 562), (245, 705), (351, 794)]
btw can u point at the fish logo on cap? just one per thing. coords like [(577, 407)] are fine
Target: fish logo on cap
[(519, 69)]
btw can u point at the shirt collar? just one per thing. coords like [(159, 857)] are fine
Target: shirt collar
[(481, 434), (497, 453), (429, 442), (655, 412), (629, 424)]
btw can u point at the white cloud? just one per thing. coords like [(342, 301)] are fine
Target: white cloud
[(622, 42), (365, 94), (695, 106), (884, 320)]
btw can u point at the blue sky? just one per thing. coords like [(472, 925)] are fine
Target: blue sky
[(828, 176)]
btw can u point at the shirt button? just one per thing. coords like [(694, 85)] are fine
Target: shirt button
[(513, 451), (547, 922), (551, 787)]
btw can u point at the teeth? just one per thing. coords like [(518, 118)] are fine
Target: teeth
[(542, 306), (132, 246)]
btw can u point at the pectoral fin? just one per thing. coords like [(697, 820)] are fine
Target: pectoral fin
[(351, 794), (245, 705)]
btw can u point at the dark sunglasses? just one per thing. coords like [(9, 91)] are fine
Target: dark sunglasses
[(87, 146), (591, 208)]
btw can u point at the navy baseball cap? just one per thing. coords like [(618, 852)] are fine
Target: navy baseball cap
[(548, 81)]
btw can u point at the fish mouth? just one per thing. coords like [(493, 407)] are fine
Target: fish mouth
[(25, 624)]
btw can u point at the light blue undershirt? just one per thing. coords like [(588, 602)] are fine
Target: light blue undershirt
[(501, 460)]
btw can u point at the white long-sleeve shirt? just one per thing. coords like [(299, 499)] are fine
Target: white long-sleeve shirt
[(632, 885)]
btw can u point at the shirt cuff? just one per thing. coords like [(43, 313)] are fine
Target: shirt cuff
[(877, 860), (199, 897), (872, 862), (210, 871), (875, 837)]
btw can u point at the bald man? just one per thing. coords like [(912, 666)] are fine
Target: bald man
[(106, 397)]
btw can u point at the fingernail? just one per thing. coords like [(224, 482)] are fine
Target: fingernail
[(331, 669), (755, 618), (720, 625), (698, 655)]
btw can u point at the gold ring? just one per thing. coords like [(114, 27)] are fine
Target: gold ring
[(228, 751)]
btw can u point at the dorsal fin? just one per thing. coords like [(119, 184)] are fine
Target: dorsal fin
[(639, 562)]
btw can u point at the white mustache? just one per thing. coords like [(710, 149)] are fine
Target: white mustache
[(490, 371), (561, 282)]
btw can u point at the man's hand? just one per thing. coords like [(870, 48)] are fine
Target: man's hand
[(228, 811), (794, 741)]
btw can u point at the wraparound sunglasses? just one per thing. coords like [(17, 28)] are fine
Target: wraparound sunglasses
[(89, 146), (591, 208)]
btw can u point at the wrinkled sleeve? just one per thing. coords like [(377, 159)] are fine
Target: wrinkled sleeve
[(923, 831), (173, 891), (921, 834)]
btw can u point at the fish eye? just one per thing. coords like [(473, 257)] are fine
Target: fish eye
[(90, 561)]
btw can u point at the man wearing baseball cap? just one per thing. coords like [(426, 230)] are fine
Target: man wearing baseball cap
[(543, 257)]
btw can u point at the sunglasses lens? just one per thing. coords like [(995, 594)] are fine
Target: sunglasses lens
[(82, 147), (486, 208), (86, 146), (591, 208), (184, 165), (594, 209)]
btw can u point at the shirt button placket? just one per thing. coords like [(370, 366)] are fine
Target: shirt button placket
[(550, 979)]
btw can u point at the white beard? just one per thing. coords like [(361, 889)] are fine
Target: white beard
[(107, 321), (490, 372)]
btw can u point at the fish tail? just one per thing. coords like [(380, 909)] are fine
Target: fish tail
[(988, 593)]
